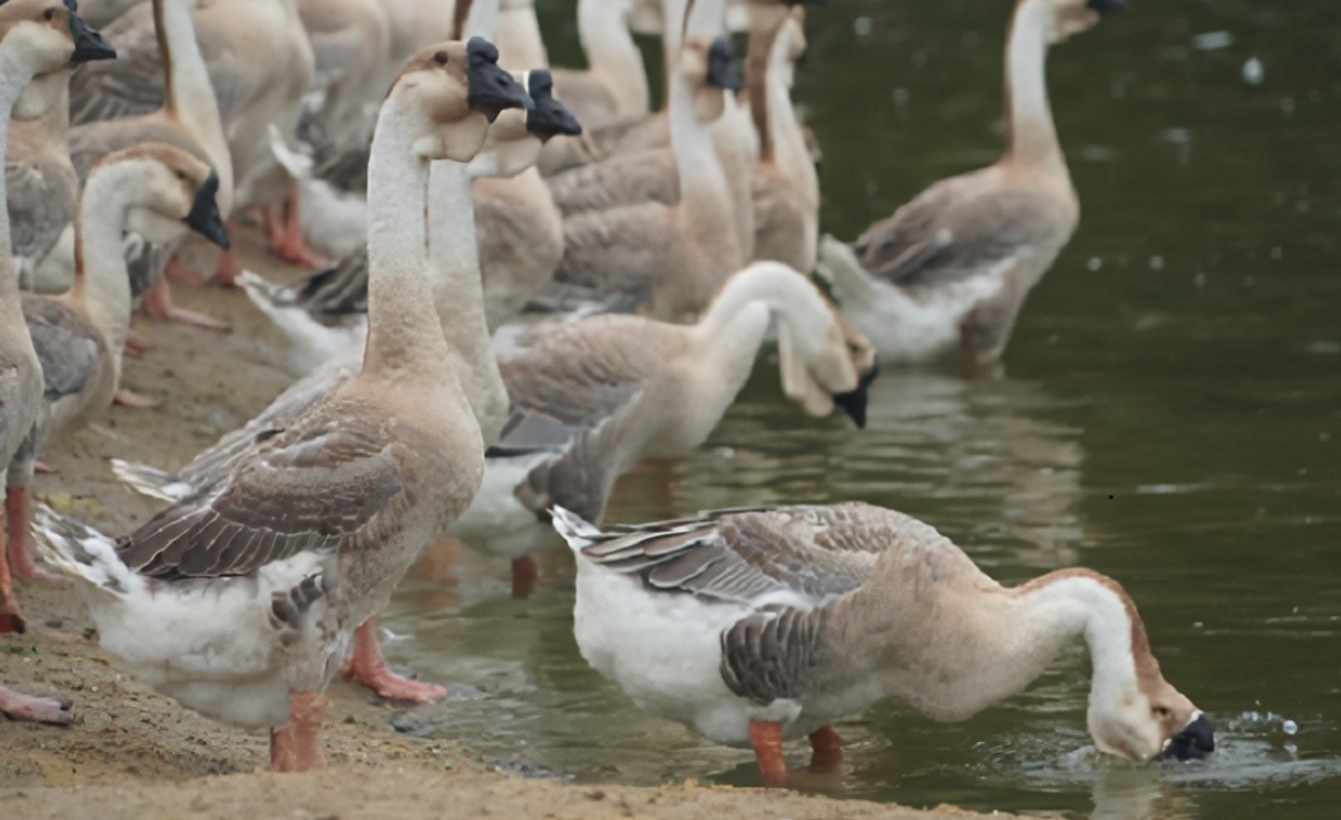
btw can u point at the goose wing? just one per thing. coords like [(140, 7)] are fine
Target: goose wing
[(957, 229), (41, 202), (331, 482), (130, 85), (66, 345)]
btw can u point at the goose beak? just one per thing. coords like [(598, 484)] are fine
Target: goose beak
[(204, 217), (548, 117), (89, 44), (1105, 6), (491, 88), (722, 71), (1195, 741), (854, 402)]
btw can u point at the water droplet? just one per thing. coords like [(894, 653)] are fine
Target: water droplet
[(1289, 727), (1253, 73), (1212, 40), (1157, 263), (901, 96), (862, 26), (1095, 263)]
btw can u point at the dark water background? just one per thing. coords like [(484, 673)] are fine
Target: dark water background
[(1169, 413)]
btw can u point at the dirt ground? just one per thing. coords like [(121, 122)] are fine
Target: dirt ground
[(133, 753)]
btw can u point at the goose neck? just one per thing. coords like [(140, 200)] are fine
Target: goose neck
[(705, 191), (404, 331), (1033, 137), (602, 26), (188, 93), (764, 34), (745, 306), (520, 45), (101, 284)]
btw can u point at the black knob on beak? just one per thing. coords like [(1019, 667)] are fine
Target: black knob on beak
[(722, 70), (548, 117), (491, 88), (89, 44), (1104, 6), (204, 217), (854, 402)]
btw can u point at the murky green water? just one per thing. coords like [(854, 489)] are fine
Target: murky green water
[(1169, 414)]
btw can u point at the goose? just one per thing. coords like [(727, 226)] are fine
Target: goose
[(187, 115), (755, 626), (948, 272), (241, 601), (325, 315), (591, 398), (614, 87), (79, 336), (670, 259), (39, 39)]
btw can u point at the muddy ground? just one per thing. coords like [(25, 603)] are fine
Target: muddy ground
[(132, 753)]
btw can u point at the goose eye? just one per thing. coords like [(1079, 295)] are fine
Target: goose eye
[(181, 175), (49, 14), (440, 58), (1161, 712)]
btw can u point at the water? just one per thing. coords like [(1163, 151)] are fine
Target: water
[(1169, 414)]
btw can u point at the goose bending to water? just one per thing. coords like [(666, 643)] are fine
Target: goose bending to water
[(241, 601), (754, 626), (39, 40), (591, 398), (80, 335), (950, 270)]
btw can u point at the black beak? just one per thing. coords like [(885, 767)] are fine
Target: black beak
[(1104, 6), (548, 117), (89, 44), (491, 88), (722, 70), (854, 402), (1195, 741), (204, 217)]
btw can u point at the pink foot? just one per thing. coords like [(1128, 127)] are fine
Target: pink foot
[(16, 706), (136, 346), (366, 666), (18, 521), (297, 746), (42, 468), (135, 401), (158, 303), (287, 240)]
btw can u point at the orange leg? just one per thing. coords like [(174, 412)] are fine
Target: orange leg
[(767, 741), (525, 573), (18, 515), (11, 617), (16, 706), (158, 303), (297, 747), (826, 750), (367, 666), (288, 242)]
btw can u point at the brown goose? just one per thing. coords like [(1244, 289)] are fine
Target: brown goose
[(950, 270), (242, 600), (752, 626), (39, 40)]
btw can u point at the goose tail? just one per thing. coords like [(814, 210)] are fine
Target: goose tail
[(265, 294), (838, 266), (574, 529), (151, 481), (81, 552)]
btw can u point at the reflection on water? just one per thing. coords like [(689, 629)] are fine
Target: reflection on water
[(1170, 417)]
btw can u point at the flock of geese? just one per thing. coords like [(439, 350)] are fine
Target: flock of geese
[(428, 160)]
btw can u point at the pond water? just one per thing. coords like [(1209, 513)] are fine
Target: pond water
[(1169, 413)]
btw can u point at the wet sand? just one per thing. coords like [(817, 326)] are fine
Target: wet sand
[(132, 753)]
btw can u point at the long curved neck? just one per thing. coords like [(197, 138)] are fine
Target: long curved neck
[(672, 30), (520, 46), (188, 94), (737, 319), (785, 138), (101, 283), (404, 331), (458, 294), (603, 28), (1033, 137)]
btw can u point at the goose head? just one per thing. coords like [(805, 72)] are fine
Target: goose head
[(454, 91), (516, 137), (1065, 18), (1151, 721), (47, 37), (709, 64), (175, 185)]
